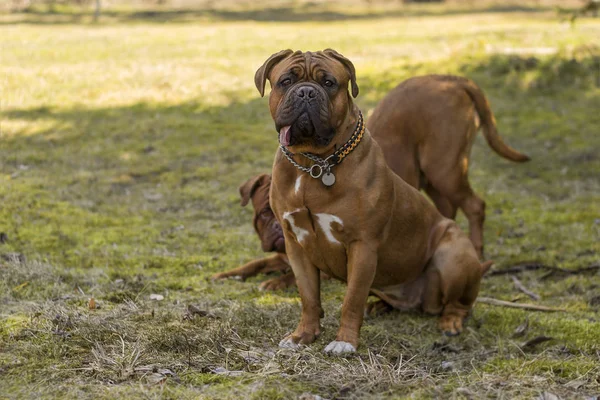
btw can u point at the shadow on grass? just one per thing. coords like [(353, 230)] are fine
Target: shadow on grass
[(303, 13), (204, 135)]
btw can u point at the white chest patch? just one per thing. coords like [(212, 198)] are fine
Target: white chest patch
[(325, 221), (297, 185), (300, 233)]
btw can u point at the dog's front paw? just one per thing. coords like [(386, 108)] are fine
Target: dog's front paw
[(278, 283), (305, 336), (336, 347)]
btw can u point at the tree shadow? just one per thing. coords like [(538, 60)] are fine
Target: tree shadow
[(205, 136)]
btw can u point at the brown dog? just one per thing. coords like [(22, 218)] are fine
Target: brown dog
[(357, 220), (426, 127), (271, 238)]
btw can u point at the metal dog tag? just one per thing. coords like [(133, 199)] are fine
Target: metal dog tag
[(328, 178)]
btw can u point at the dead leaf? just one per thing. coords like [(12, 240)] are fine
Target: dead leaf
[(21, 286), (535, 341), (310, 396), (575, 384), (447, 365), (548, 396), (521, 329), (157, 297), (465, 392), (92, 304), (223, 371), (193, 311)]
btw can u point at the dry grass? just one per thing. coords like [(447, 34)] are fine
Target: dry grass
[(121, 148)]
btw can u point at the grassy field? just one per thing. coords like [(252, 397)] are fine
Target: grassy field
[(122, 145)]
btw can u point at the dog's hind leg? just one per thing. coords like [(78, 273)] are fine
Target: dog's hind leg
[(452, 281), (474, 208), (443, 204)]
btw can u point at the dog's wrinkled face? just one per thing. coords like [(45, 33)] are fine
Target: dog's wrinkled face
[(309, 100), (266, 225)]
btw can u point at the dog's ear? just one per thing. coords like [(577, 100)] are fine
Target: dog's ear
[(247, 188), (261, 75), (349, 67)]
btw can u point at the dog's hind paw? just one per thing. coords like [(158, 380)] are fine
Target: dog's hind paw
[(336, 347)]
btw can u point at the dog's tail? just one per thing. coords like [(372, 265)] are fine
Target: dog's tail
[(489, 123), (485, 266)]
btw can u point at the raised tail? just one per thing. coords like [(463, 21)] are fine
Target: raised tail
[(489, 123)]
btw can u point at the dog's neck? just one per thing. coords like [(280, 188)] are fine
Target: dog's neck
[(345, 132)]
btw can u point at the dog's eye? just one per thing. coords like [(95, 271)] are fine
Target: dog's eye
[(328, 83), (285, 82)]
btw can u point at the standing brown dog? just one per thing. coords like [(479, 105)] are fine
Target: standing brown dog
[(356, 220), (426, 127)]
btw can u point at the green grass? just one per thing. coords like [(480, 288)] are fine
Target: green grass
[(121, 149)]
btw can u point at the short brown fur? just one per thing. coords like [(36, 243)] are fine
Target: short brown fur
[(371, 229)]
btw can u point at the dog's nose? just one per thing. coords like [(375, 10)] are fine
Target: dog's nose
[(306, 92)]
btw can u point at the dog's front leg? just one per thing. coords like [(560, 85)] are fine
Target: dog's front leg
[(264, 265), (362, 264), (309, 286)]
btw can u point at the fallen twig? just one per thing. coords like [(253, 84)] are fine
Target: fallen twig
[(534, 307), (533, 266), (523, 289), (535, 341)]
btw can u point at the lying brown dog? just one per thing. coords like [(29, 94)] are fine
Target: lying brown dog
[(270, 233), (346, 213), (271, 238), (426, 127)]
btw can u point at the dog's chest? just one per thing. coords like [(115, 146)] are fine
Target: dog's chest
[(321, 236)]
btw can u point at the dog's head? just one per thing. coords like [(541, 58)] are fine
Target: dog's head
[(309, 98), (266, 225)]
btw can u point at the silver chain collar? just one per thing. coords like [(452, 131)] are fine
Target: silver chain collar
[(322, 168), (316, 170)]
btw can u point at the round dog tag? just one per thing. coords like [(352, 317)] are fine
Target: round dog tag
[(328, 179)]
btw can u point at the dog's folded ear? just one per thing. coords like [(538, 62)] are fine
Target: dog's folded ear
[(349, 67), (261, 75), (248, 188)]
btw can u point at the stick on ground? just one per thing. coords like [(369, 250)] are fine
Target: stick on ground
[(523, 289), (502, 303), (533, 266)]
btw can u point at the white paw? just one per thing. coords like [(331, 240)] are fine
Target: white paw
[(336, 347), (288, 343)]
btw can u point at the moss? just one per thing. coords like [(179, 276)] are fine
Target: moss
[(122, 147)]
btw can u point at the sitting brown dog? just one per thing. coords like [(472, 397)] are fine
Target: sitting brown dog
[(426, 127), (346, 213)]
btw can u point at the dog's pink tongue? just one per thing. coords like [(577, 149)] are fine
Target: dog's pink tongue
[(284, 135)]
